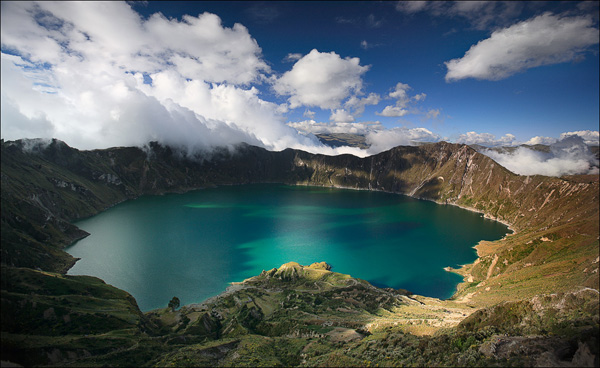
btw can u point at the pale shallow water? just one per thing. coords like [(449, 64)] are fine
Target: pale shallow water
[(193, 245)]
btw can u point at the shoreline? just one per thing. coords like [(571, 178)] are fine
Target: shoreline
[(486, 216)]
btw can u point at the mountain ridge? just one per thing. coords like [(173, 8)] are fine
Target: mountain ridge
[(442, 172)]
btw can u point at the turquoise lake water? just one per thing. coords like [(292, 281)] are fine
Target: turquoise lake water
[(193, 245)]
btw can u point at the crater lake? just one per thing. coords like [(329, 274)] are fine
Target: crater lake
[(193, 245)]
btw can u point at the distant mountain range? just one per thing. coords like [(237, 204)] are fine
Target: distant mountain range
[(359, 141), (530, 298), (535, 147), (343, 139)]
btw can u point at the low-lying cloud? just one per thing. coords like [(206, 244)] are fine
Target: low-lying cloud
[(382, 140), (68, 72), (590, 137), (314, 127), (568, 156)]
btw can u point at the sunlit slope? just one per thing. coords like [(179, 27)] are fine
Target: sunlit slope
[(555, 246), (292, 316)]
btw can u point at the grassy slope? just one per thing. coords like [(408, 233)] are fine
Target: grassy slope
[(306, 315), (49, 317)]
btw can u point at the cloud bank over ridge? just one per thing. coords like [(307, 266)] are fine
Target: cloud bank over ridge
[(99, 74), (68, 73), (566, 157)]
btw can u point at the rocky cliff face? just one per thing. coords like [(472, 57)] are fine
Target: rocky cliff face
[(45, 185)]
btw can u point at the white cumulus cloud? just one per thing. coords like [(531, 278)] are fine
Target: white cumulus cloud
[(341, 116), (419, 97), (292, 57), (590, 137), (432, 114), (540, 140), (412, 7), (403, 99), (400, 93), (545, 39), (321, 79), (486, 139), (308, 114), (480, 14), (358, 104), (382, 140), (393, 111), (312, 126)]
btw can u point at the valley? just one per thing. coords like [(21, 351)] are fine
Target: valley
[(530, 298)]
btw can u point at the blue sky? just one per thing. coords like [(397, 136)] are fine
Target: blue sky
[(271, 73), (411, 48)]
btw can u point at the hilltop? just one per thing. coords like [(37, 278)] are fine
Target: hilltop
[(539, 285)]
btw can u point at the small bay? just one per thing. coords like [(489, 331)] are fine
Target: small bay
[(193, 245)]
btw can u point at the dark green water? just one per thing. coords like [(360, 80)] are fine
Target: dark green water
[(192, 245)]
